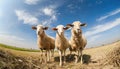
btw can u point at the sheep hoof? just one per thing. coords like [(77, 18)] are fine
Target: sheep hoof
[(76, 61), (81, 62), (60, 64), (64, 62)]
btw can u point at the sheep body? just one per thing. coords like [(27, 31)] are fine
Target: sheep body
[(44, 41), (77, 41), (61, 42)]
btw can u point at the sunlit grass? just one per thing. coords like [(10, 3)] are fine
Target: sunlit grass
[(17, 48)]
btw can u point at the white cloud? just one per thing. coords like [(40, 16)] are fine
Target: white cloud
[(26, 17), (109, 14), (47, 15), (31, 2), (93, 41), (50, 14), (99, 1), (93, 38), (49, 21), (71, 6), (48, 11), (103, 27)]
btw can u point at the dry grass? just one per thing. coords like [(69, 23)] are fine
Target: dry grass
[(104, 57)]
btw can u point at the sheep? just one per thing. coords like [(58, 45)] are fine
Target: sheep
[(77, 41), (61, 42), (44, 41)]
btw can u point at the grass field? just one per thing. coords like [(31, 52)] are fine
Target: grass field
[(103, 57), (17, 48)]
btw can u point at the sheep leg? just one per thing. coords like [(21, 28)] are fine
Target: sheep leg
[(45, 56), (41, 52), (50, 52), (81, 56), (48, 55), (77, 57), (53, 53), (41, 55), (70, 54), (60, 53), (64, 57)]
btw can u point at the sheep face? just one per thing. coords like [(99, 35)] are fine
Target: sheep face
[(76, 26), (40, 29), (60, 29)]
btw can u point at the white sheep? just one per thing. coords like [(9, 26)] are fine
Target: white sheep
[(61, 42), (77, 41), (44, 41)]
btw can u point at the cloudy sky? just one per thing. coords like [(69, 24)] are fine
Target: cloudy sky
[(17, 17)]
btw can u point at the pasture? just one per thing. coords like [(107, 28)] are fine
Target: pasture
[(103, 57)]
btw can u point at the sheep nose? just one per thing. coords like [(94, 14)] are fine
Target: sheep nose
[(38, 32), (61, 33), (78, 30)]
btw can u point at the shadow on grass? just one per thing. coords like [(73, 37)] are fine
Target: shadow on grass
[(71, 58), (86, 59)]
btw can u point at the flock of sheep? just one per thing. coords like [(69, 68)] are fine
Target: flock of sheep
[(48, 44)]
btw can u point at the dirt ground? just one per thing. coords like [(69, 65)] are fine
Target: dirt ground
[(103, 57)]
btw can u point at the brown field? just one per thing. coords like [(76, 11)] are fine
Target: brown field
[(103, 57)]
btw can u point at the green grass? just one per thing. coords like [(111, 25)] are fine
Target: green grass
[(17, 48)]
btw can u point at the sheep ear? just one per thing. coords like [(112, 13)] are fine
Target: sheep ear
[(65, 28), (69, 25), (45, 28), (34, 28), (54, 29), (84, 24)]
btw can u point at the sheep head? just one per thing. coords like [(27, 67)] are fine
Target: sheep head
[(40, 29), (76, 26), (60, 29)]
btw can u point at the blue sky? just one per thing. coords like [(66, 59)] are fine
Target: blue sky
[(17, 17)]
